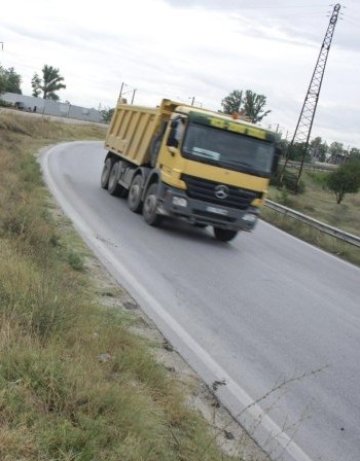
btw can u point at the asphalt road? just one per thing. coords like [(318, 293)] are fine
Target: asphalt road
[(266, 311)]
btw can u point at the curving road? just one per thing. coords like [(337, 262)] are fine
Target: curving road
[(266, 311)]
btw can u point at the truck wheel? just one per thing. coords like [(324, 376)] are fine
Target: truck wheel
[(150, 206), (106, 173), (134, 197), (114, 187), (224, 235)]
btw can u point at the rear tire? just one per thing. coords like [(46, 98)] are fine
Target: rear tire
[(224, 235), (114, 187), (106, 173), (135, 192), (150, 206)]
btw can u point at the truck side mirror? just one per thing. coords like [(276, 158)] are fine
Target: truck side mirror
[(176, 131), (171, 140)]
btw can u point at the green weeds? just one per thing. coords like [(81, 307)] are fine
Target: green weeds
[(75, 261)]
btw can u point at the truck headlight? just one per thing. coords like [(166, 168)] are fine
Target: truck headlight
[(179, 201), (249, 217)]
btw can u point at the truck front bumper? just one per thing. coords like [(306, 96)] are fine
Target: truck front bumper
[(175, 202)]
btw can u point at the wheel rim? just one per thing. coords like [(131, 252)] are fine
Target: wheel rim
[(150, 206), (135, 193)]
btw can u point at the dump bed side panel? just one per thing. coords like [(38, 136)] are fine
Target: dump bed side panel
[(130, 132)]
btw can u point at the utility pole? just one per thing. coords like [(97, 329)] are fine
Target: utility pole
[(121, 92), (304, 125)]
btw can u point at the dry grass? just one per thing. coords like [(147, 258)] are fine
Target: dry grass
[(74, 383)]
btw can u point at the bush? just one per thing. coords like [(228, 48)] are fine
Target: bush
[(75, 261), (345, 180)]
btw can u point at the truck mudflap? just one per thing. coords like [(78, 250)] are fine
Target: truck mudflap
[(174, 202)]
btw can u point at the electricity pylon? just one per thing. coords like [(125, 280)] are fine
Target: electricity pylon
[(307, 114)]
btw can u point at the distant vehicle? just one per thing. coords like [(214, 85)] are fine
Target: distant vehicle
[(185, 162), (20, 105)]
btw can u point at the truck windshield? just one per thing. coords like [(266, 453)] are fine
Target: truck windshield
[(228, 149)]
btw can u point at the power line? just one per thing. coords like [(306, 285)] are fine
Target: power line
[(281, 7), (291, 15), (352, 21)]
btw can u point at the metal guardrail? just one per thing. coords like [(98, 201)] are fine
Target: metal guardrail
[(329, 167), (325, 228)]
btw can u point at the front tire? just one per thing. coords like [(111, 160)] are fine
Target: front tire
[(224, 235), (135, 192), (150, 206)]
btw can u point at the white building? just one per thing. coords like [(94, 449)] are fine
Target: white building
[(58, 109)]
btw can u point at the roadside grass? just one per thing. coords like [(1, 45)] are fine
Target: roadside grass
[(75, 384), (320, 204)]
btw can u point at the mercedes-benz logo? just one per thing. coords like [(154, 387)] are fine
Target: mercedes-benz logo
[(221, 191)]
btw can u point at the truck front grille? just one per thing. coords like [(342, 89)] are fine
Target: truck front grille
[(203, 189)]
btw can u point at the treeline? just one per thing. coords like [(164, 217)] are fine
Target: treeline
[(46, 86), (319, 150)]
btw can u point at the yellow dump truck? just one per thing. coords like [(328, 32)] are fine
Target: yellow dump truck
[(179, 161)]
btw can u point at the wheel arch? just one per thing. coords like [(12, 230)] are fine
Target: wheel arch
[(111, 155), (142, 171), (153, 177)]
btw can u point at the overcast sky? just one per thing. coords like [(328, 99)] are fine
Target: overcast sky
[(182, 49)]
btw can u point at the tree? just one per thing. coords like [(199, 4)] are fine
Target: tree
[(2, 81), (50, 83), (254, 106), (9, 80), (297, 150), (107, 114), (337, 152), (36, 85), (251, 105), (318, 149), (354, 153), (232, 102), (345, 180)]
